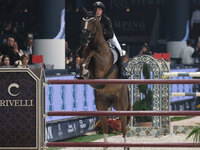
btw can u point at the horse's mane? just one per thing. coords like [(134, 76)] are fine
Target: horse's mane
[(89, 14)]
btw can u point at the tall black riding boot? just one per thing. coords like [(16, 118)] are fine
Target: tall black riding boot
[(121, 69)]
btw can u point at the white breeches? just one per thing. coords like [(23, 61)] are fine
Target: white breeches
[(115, 42)]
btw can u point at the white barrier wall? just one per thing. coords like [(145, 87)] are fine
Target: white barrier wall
[(53, 51), (175, 47)]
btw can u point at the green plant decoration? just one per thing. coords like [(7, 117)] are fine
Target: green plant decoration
[(146, 102)]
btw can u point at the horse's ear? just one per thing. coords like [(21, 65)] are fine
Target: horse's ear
[(84, 11)]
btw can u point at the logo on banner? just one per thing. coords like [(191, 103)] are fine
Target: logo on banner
[(13, 85), (71, 128), (15, 102)]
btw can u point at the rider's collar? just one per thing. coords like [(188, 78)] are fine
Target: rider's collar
[(99, 18)]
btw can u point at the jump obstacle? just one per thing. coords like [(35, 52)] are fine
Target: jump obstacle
[(135, 66), (38, 100), (182, 74), (120, 113)]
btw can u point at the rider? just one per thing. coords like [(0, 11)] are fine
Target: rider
[(98, 9)]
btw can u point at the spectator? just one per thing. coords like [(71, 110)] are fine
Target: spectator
[(28, 46), (196, 54), (69, 61), (15, 55), (76, 64), (25, 60), (186, 54), (67, 49), (145, 50), (17, 50), (71, 58), (6, 61), (125, 59), (8, 49)]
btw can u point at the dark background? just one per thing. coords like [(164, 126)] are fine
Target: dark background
[(147, 21)]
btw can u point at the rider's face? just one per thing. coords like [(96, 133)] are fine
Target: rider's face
[(99, 12)]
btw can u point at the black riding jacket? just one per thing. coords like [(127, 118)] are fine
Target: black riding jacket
[(107, 27)]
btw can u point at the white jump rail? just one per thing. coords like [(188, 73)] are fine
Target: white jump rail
[(181, 74), (185, 94)]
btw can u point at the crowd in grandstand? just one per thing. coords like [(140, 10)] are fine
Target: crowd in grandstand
[(16, 47)]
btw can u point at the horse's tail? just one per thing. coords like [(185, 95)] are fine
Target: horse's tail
[(129, 107)]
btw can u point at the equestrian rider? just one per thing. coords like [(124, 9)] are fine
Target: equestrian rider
[(106, 24)]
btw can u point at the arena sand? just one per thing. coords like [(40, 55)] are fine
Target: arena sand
[(171, 138)]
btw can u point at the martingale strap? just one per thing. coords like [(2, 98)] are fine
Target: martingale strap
[(101, 86), (109, 72)]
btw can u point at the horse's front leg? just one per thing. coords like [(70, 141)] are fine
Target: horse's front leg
[(104, 129), (85, 62)]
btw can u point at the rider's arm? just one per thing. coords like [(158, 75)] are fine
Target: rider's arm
[(107, 29)]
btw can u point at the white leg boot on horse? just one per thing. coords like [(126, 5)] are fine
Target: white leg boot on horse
[(85, 62), (105, 129), (102, 105), (105, 140)]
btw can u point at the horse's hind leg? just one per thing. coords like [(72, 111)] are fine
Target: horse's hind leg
[(102, 105), (124, 105), (124, 129)]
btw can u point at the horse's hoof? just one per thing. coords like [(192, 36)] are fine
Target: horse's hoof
[(126, 148), (78, 77)]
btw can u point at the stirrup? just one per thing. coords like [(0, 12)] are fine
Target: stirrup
[(78, 77), (122, 75)]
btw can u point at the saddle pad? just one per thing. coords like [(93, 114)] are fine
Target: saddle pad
[(115, 55)]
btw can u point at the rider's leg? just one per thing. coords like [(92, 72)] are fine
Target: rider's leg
[(121, 69), (115, 43), (120, 66)]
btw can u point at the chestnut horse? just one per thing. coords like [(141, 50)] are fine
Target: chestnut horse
[(97, 63)]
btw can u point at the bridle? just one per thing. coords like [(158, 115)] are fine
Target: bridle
[(87, 35)]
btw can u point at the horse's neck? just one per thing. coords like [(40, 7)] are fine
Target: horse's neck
[(103, 57), (100, 42)]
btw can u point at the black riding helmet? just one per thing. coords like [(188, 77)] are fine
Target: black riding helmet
[(99, 4)]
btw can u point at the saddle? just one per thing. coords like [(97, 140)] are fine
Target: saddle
[(118, 61), (115, 53)]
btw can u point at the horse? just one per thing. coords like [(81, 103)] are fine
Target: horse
[(97, 63)]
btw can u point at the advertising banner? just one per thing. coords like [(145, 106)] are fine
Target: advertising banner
[(19, 113)]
